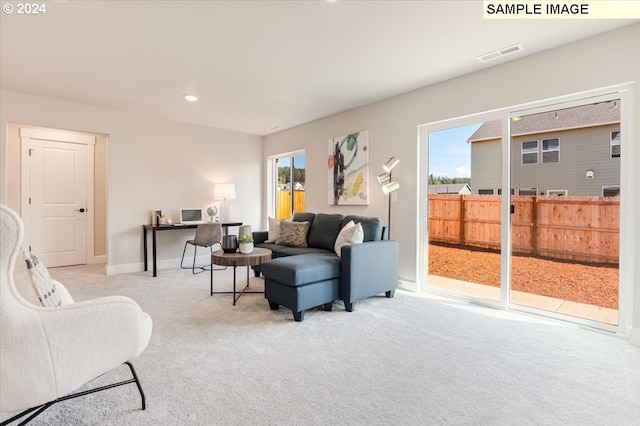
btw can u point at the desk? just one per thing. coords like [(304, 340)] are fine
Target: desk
[(156, 228)]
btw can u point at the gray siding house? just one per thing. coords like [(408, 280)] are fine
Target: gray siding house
[(450, 188), (573, 151)]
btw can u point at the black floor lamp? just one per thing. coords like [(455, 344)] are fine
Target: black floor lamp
[(388, 186)]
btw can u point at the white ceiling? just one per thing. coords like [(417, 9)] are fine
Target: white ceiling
[(257, 64)]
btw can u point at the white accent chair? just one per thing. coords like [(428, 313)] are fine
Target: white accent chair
[(48, 352)]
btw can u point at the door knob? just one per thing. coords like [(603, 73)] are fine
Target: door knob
[(81, 210)]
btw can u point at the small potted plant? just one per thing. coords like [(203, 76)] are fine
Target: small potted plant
[(246, 243)]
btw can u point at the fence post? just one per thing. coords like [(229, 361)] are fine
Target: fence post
[(462, 219), (534, 226)]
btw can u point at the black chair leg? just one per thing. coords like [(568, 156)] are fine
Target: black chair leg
[(39, 409), (182, 260)]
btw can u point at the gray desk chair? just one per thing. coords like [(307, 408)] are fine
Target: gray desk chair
[(207, 235)]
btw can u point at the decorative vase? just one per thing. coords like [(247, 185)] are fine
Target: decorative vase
[(246, 248), (229, 243)]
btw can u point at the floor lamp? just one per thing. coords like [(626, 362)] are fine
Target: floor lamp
[(388, 186), (224, 192)]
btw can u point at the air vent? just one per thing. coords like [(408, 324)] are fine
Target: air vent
[(500, 53)]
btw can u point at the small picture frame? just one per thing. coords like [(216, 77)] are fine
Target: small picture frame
[(156, 214)]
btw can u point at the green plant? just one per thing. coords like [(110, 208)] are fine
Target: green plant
[(246, 238)]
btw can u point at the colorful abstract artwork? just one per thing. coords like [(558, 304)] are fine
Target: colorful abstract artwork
[(348, 169)]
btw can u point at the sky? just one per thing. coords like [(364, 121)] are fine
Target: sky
[(449, 152)]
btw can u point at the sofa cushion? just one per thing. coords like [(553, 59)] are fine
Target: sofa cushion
[(324, 230), (304, 269), (275, 248), (293, 234), (352, 233), (295, 251), (273, 230), (372, 226), (304, 217)]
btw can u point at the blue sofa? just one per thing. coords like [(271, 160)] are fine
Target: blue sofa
[(302, 278)]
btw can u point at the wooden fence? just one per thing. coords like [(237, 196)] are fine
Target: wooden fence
[(585, 229), (283, 204)]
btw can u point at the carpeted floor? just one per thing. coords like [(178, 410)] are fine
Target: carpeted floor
[(404, 361)]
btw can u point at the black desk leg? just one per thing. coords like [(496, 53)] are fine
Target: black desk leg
[(153, 249), (144, 244), (211, 277)]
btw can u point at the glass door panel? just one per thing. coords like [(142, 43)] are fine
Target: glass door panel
[(565, 222), (290, 191), (464, 210)]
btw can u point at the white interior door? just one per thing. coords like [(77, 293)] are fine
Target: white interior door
[(57, 201)]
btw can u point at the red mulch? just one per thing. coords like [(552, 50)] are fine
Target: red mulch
[(593, 284)]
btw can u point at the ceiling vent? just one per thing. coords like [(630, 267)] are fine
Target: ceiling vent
[(500, 53)]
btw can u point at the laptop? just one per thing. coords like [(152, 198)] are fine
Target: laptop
[(191, 216)]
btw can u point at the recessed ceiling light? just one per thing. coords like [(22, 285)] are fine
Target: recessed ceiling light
[(190, 98)]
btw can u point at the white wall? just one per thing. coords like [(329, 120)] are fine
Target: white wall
[(152, 163), (601, 61)]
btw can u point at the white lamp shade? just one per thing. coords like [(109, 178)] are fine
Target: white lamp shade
[(384, 178), (390, 164), (224, 191), (390, 187)]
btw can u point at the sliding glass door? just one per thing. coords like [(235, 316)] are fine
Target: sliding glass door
[(521, 209), (464, 214), (289, 184), (565, 191)]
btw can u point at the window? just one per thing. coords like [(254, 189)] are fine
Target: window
[(530, 152), (615, 144), (550, 150), (485, 191), (527, 191), (287, 185), (558, 192), (611, 191)]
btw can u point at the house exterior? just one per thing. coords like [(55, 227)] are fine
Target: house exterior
[(450, 188), (573, 151)]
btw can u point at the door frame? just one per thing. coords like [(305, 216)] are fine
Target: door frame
[(625, 281), (26, 134)]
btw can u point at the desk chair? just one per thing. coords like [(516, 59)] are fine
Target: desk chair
[(207, 235)]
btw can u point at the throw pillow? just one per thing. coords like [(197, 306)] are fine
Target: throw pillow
[(351, 233), (274, 229), (293, 234), (44, 285)]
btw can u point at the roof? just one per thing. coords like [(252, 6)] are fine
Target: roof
[(449, 188), (564, 119)]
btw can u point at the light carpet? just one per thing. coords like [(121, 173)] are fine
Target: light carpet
[(404, 361)]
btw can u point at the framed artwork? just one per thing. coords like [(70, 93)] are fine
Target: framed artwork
[(348, 169)]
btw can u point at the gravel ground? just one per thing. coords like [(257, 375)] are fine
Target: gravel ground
[(592, 284)]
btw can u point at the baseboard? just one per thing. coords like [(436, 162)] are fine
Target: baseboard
[(129, 268), (408, 285), (634, 336)]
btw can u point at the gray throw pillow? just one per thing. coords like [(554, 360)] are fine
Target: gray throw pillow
[(293, 234)]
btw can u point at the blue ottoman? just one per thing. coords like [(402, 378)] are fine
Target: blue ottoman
[(302, 282)]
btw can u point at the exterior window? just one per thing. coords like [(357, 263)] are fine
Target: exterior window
[(530, 152), (615, 144), (611, 191), (527, 191), (550, 150), (558, 192), (485, 191)]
